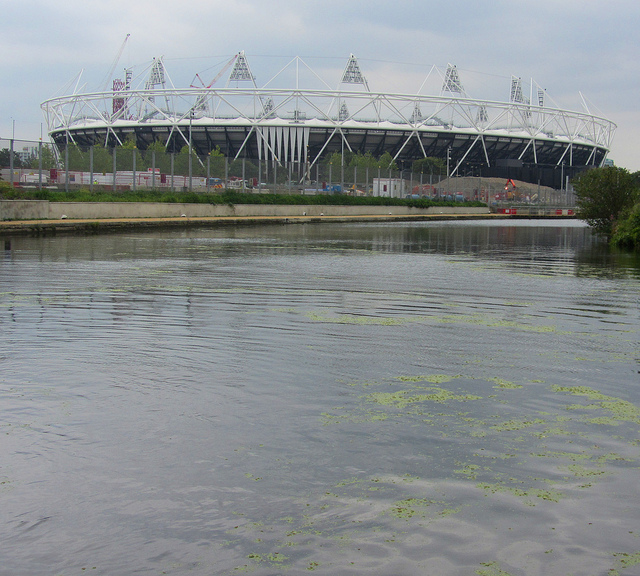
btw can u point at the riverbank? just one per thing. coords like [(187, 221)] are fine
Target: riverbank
[(107, 225), (44, 217)]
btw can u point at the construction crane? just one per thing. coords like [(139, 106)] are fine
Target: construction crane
[(218, 76), (200, 107), (510, 190), (105, 83)]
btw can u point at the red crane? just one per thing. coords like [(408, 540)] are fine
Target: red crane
[(218, 76)]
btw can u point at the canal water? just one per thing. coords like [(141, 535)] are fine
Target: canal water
[(442, 398)]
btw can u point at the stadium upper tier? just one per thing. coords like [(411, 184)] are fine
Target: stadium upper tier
[(514, 138)]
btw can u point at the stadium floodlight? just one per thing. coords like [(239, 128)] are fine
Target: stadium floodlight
[(352, 73)]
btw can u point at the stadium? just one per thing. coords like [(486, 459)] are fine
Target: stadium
[(521, 137)]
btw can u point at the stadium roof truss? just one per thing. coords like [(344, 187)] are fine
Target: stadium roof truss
[(301, 125)]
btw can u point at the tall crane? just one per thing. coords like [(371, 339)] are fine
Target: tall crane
[(218, 76), (105, 82), (200, 107)]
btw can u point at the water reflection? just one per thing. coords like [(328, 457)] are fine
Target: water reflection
[(439, 398)]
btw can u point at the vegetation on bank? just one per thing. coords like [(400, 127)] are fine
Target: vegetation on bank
[(608, 199), (626, 234), (157, 156), (7, 192)]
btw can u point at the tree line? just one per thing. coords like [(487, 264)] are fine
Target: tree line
[(350, 165), (608, 199)]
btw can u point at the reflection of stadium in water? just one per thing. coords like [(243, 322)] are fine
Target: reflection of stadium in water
[(522, 138)]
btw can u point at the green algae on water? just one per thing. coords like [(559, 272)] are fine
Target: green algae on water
[(624, 561), (621, 409), (432, 378), (403, 398), (491, 569), (527, 496), (421, 507)]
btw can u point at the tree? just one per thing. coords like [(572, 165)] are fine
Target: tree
[(102, 159), (429, 165), (626, 233), (48, 158), (126, 153), (602, 194), (78, 158), (387, 162), (216, 163), (364, 161), (162, 158), (5, 159), (235, 168), (181, 162)]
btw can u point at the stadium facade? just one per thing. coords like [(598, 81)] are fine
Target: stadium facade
[(521, 137)]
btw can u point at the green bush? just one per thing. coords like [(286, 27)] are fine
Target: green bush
[(626, 233), (603, 194)]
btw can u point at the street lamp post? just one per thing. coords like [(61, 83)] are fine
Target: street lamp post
[(90, 167), (208, 171), (115, 166), (133, 165), (66, 161), (190, 147), (40, 160), (448, 171), (13, 137)]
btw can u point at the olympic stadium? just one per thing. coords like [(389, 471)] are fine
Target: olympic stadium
[(521, 136)]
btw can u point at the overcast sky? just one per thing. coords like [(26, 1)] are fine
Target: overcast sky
[(567, 47)]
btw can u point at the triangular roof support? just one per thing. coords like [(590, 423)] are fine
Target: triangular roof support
[(352, 73), (241, 71), (452, 81)]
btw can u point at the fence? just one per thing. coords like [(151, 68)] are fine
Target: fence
[(41, 165)]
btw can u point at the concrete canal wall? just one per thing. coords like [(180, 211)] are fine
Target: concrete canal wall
[(45, 210)]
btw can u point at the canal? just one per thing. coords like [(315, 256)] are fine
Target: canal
[(442, 398)]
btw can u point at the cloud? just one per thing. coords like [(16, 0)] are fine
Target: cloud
[(566, 47)]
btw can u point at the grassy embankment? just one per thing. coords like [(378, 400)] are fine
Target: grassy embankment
[(225, 197)]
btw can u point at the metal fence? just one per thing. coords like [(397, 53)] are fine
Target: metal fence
[(36, 164)]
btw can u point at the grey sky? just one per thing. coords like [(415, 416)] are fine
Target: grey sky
[(566, 46)]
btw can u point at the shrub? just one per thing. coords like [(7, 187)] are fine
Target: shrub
[(626, 233), (602, 194)]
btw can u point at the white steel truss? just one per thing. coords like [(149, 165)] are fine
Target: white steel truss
[(282, 119)]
